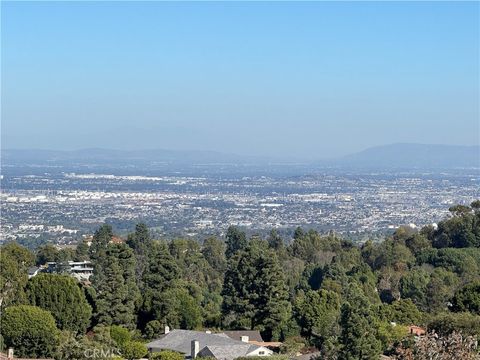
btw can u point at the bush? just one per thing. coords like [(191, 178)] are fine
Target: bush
[(120, 335), (447, 323), (166, 355), (31, 331), (292, 345), (132, 350), (63, 297)]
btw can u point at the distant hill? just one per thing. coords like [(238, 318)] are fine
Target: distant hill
[(414, 156), (395, 156), (104, 156)]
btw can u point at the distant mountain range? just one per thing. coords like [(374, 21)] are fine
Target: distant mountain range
[(414, 156), (408, 156)]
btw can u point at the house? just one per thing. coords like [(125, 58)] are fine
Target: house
[(197, 343), (115, 240), (416, 330), (81, 270), (33, 271)]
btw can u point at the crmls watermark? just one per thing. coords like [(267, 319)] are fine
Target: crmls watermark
[(100, 353)]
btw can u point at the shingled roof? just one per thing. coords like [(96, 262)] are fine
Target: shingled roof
[(253, 335)]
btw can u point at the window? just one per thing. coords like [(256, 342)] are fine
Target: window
[(261, 353)]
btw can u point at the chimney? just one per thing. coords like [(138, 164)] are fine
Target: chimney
[(10, 354), (244, 338), (195, 348), (167, 330)]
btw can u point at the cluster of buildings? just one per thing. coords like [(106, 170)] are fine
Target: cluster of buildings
[(64, 207)]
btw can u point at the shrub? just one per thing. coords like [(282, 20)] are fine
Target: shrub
[(120, 335), (31, 331), (166, 355), (132, 350)]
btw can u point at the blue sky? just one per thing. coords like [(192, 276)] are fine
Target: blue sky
[(307, 80)]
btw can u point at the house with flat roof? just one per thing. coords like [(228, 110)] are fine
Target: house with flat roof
[(197, 343), (81, 270)]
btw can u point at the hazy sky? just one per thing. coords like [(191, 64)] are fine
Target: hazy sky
[(300, 79)]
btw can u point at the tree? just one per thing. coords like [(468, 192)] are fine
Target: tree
[(153, 329), (255, 294), (417, 242), (358, 337), (14, 263), (177, 308), (391, 253), (440, 289), (313, 248), (236, 240), (46, 253), (468, 298), (140, 242), (132, 350), (161, 273), (402, 311), (274, 240), (63, 297), (317, 313), (127, 262), (413, 285), (82, 252), (214, 252), (101, 239), (114, 303), (31, 331)]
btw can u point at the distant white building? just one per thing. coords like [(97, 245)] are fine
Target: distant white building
[(81, 270)]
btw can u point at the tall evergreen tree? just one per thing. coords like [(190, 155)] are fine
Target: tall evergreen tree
[(236, 240), (113, 301), (127, 261), (317, 313), (358, 338), (255, 295), (101, 239), (214, 252), (275, 241), (161, 273), (140, 242), (82, 252)]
